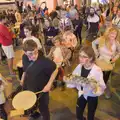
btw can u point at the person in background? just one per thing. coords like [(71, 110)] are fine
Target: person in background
[(69, 39), (115, 9), (77, 24), (65, 24), (6, 41), (60, 55), (54, 19), (102, 18), (116, 20), (72, 12), (28, 33), (107, 48), (107, 24), (3, 114), (92, 25), (18, 16)]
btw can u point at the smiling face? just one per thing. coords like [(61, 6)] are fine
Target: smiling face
[(56, 43), (112, 36), (27, 32)]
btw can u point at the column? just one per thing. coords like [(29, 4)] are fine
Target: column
[(60, 2), (54, 4), (88, 3), (77, 2)]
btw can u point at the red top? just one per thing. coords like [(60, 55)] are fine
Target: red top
[(5, 36)]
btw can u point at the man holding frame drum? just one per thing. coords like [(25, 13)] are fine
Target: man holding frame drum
[(39, 73)]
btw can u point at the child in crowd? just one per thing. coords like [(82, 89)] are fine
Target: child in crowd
[(60, 55), (88, 94)]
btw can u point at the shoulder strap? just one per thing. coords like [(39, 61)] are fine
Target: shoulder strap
[(29, 66)]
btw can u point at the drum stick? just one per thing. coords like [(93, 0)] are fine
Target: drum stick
[(39, 92)]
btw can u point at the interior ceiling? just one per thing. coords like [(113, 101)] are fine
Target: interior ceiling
[(7, 1)]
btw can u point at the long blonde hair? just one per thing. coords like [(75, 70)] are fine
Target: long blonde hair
[(104, 40)]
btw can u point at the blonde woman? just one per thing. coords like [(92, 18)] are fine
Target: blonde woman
[(107, 48), (70, 40)]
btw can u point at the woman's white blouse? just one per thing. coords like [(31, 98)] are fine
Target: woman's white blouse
[(104, 52), (95, 73)]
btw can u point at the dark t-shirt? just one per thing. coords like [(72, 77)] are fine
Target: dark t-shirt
[(38, 73), (84, 73)]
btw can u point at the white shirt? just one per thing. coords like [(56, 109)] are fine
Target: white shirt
[(93, 19), (58, 58), (35, 40), (95, 73)]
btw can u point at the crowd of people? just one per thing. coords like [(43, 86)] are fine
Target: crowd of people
[(49, 41)]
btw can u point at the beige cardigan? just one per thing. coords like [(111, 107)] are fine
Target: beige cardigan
[(66, 53)]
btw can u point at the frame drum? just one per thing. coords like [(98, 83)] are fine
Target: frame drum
[(105, 66), (24, 100)]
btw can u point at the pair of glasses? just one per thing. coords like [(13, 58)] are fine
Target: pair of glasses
[(31, 53), (83, 56)]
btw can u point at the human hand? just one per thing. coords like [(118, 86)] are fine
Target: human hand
[(21, 82), (47, 88), (112, 60), (93, 87)]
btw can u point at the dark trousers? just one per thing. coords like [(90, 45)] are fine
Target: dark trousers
[(78, 35), (106, 75), (81, 104), (43, 106), (3, 113), (20, 72), (59, 76)]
